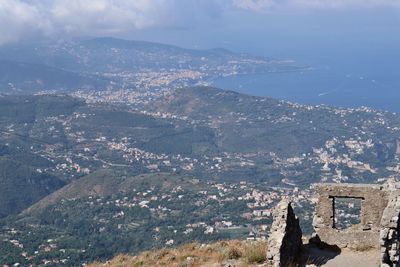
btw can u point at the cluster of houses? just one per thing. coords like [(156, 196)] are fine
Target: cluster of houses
[(254, 220)]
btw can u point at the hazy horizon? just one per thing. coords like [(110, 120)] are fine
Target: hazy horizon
[(346, 38)]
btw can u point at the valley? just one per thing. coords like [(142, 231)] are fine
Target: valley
[(124, 149), (130, 169)]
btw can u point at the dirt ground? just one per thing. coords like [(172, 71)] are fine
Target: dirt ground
[(346, 257), (355, 259)]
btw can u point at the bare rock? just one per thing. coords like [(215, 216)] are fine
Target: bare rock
[(285, 240)]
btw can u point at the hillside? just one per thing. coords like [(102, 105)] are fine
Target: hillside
[(116, 55), (236, 253), (195, 164), (17, 77), (105, 183), (204, 132), (23, 181), (143, 212), (22, 186), (95, 65), (246, 123), (347, 144)]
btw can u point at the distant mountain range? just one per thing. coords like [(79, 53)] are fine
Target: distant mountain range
[(96, 63)]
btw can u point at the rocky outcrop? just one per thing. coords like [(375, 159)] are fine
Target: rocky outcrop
[(285, 240), (389, 238), (379, 226)]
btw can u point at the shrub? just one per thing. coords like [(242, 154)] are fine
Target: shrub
[(233, 253), (256, 253)]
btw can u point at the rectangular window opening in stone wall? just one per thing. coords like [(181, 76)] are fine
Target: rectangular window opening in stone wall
[(346, 212)]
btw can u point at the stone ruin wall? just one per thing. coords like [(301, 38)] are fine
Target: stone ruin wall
[(379, 227), (285, 240), (374, 200), (389, 238)]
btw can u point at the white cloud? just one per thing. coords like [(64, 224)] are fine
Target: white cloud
[(326, 4), (24, 18), (16, 17), (106, 16), (255, 5), (264, 5)]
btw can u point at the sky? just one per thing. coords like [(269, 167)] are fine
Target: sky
[(307, 31), (25, 20), (360, 37)]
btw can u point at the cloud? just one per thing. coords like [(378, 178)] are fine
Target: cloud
[(255, 5), (103, 16), (265, 5), (326, 4), (27, 19), (16, 17)]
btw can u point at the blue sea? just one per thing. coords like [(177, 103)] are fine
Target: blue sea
[(354, 53), (322, 86), (347, 69)]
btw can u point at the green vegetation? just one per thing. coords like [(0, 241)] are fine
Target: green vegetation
[(148, 211), (30, 77), (247, 124), (255, 253), (96, 180), (22, 181), (27, 109), (22, 186)]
